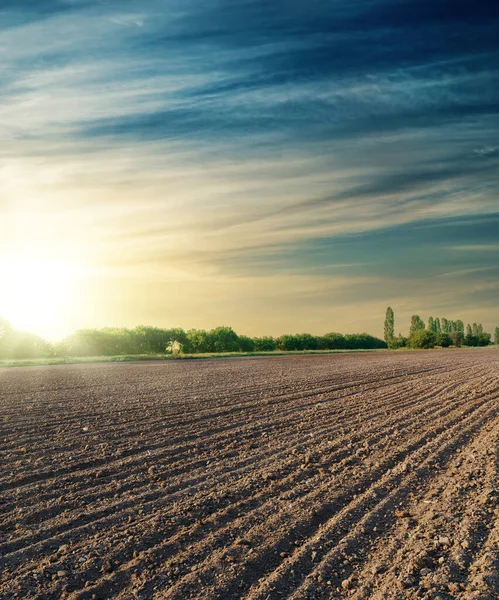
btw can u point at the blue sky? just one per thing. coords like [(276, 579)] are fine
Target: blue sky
[(281, 166)]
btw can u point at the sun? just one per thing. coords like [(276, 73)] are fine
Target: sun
[(39, 295)]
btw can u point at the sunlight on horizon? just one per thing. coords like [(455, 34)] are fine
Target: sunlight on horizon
[(40, 295)]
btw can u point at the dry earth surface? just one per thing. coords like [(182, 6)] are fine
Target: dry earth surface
[(340, 476)]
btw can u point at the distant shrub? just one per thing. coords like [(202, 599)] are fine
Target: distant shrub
[(398, 342), (422, 338), (333, 341), (264, 344), (288, 342), (478, 339), (444, 340), (246, 344), (363, 341), (225, 339)]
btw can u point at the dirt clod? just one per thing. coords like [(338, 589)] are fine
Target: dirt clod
[(348, 476)]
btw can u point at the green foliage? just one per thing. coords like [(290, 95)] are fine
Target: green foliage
[(333, 341), (470, 339), (448, 332), (422, 338), (20, 344), (146, 340), (246, 344), (480, 339), (299, 341), (483, 338), (220, 339), (389, 328), (112, 341), (363, 341), (264, 344), (330, 341), (225, 339), (444, 340), (457, 338), (417, 324), (198, 340), (438, 326), (399, 342)]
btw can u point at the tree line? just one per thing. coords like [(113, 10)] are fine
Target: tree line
[(111, 341), (437, 332), (154, 340), (21, 344)]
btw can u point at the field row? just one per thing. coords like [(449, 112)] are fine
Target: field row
[(337, 476)]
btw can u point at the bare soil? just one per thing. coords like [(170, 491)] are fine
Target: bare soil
[(337, 476)]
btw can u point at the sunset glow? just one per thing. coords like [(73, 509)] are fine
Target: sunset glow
[(273, 167), (39, 295)]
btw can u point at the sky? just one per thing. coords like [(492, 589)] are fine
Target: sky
[(272, 166)]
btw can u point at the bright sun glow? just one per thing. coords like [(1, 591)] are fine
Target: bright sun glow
[(39, 295)]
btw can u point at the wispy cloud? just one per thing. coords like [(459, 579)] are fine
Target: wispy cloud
[(211, 140)]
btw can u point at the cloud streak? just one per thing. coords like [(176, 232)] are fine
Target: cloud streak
[(211, 140)]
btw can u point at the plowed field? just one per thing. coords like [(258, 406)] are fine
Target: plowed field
[(336, 476)]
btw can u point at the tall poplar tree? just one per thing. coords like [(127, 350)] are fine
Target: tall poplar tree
[(417, 323), (438, 327), (389, 326), (445, 325), (496, 335)]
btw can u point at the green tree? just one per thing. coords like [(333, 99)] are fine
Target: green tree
[(225, 339), (431, 324), (469, 338), (496, 335), (445, 325), (444, 340), (400, 341), (334, 341), (178, 339), (438, 326), (264, 344), (457, 338), (154, 340), (198, 341), (363, 341), (389, 326), (417, 324), (287, 342), (422, 338), (246, 344), (483, 339), (297, 341)]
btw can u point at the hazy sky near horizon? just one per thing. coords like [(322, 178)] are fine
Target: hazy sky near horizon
[(274, 166)]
